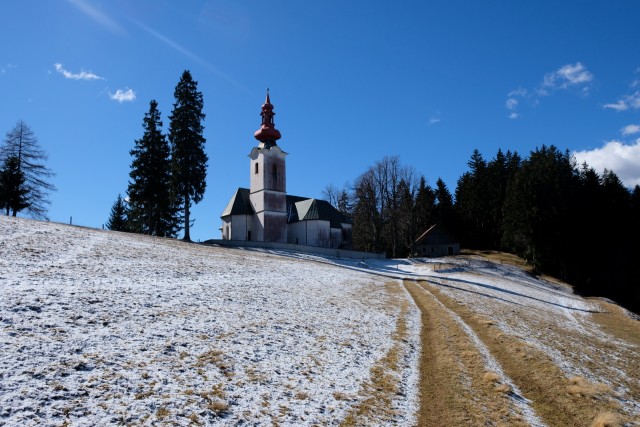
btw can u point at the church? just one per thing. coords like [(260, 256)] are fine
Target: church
[(264, 212)]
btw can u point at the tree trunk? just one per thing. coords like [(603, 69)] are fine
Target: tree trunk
[(187, 236)]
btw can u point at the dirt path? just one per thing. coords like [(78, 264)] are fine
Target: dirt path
[(473, 373)]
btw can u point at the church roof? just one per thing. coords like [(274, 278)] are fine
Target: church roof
[(298, 208), (239, 204), (302, 209)]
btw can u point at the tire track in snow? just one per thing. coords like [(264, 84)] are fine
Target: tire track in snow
[(517, 402)]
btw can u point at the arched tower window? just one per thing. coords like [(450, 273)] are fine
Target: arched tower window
[(256, 168), (274, 173)]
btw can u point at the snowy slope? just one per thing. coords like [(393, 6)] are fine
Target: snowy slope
[(545, 315), (101, 328)]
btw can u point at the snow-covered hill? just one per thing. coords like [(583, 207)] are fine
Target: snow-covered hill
[(100, 328), (103, 328)]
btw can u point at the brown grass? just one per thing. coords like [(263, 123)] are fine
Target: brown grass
[(614, 320), (606, 419), (217, 358), (491, 377), (581, 387), (302, 395), (162, 413), (556, 399), (500, 258), (340, 396), (217, 406), (454, 384)]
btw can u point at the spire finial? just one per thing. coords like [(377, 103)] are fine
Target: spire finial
[(267, 133)]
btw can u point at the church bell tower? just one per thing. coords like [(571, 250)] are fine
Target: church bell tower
[(268, 190)]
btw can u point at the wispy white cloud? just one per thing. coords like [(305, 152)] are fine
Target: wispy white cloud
[(434, 120), (184, 51), (573, 77), (623, 159), (82, 75), (520, 92), (121, 96), (627, 102), (4, 69), (566, 77), (97, 15), (630, 130), (636, 82), (618, 106)]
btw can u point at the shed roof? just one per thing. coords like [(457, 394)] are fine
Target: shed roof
[(435, 235)]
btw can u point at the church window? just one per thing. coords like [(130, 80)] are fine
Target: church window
[(256, 168), (274, 173)]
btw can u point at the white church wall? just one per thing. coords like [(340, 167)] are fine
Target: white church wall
[(336, 237), (266, 200), (296, 233), (239, 227), (226, 228), (311, 233), (234, 227), (318, 233)]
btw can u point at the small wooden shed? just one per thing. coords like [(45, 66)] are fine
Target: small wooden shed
[(435, 242)]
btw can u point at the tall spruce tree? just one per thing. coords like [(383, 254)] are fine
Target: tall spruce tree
[(118, 217), (22, 149), (444, 213), (152, 204), (424, 206), (187, 146)]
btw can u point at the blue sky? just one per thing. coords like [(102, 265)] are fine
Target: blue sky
[(351, 82)]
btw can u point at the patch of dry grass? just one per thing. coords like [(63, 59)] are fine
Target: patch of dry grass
[(581, 387), (615, 321), (302, 395), (376, 407), (217, 358), (557, 400), (606, 419), (162, 413), (499, 257), (454, 383)]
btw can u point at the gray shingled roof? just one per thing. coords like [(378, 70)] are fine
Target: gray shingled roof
[(299, 208), (239, 204), (313, 209)]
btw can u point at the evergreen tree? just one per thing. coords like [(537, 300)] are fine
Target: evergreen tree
[(13, 192), (538, 216), (424, 207), (152, 205), (118, 217), (187, 146), (345, 205), (408, 224), (444, 213), (21, 145)]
